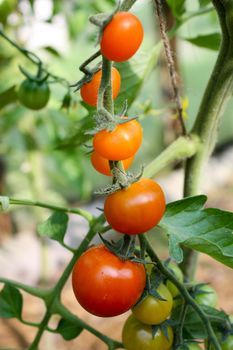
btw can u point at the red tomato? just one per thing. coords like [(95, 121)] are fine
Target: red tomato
[(121, 143), (102, 164), (89, 91), (136, 209), (121, 37), (104, 284)]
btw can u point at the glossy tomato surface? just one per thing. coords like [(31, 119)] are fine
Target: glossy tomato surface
[(102, 164), (121, 37), (136, 209), (105, 285), (207, 296), (89, 91), (138, 336), (33, 95), (119, 144), (152, 310)]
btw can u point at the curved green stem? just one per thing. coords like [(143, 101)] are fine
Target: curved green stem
[(180, 149), (64, 312), (206, 125), (183, 291), (85, 214), (37, 292)]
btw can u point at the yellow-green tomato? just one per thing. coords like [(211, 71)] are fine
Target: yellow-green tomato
[(225, 345), (152, 310), (178, 274), (208, 297), (138, 336)]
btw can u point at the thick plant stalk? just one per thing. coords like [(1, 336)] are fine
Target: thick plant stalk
[(217, 92)]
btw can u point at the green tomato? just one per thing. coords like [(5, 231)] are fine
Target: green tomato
[(34, 95), (152, 310), (226, 345), (208, 299), (6, 7), (138, 336), (191, 346), (178, 274)]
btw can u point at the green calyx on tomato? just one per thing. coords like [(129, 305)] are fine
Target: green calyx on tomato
[(137, 336), (205, 295), (105, 285), (34, 95), (152, 310)]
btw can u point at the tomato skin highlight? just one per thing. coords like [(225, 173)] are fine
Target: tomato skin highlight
[(138, 336), (33, 95), (136, 209), (89, 91), (154, 311), (105, 285), (208, 297), (121, 37), (121, 143), (102, 165)]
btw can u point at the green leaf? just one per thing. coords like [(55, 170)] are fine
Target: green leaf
[(8, 96), (11, 302), (133, 75), (203, 3), (208, 41), (177, 7), (205, 230), (55, 226), (68, 329)]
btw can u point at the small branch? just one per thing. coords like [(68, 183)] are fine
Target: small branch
[(171, 65), (85, 214), (37, 292), (179, 337), (64, 312), (127, 4), (105, 100), (183, 291), (179, 150), (83, 66)]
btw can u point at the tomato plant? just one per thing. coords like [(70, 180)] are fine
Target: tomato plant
[(89, 91), (121, 143), (152, 310), (190, 346), (102, 165), (105, 285), (33, 95), (121, 37), (6, 7), (138, 336), (135, 209)]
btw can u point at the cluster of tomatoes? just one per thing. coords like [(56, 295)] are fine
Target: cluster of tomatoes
[(104, 283)]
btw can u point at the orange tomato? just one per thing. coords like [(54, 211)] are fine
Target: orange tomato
[(135, 209), (121, 37), (89, 91), (102, 164), (119, 144)]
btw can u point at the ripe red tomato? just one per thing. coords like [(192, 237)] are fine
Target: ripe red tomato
[(89, 91), (121, 143), (102, 164), (135, 209), (152, 310), (104, 284), (121, 37), (138, 336)]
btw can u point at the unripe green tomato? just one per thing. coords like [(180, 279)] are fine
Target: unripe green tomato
[(33, 95), (178, 274), (208, 299), (152, 310), (191, 346), (138, 336), (6, 7)]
